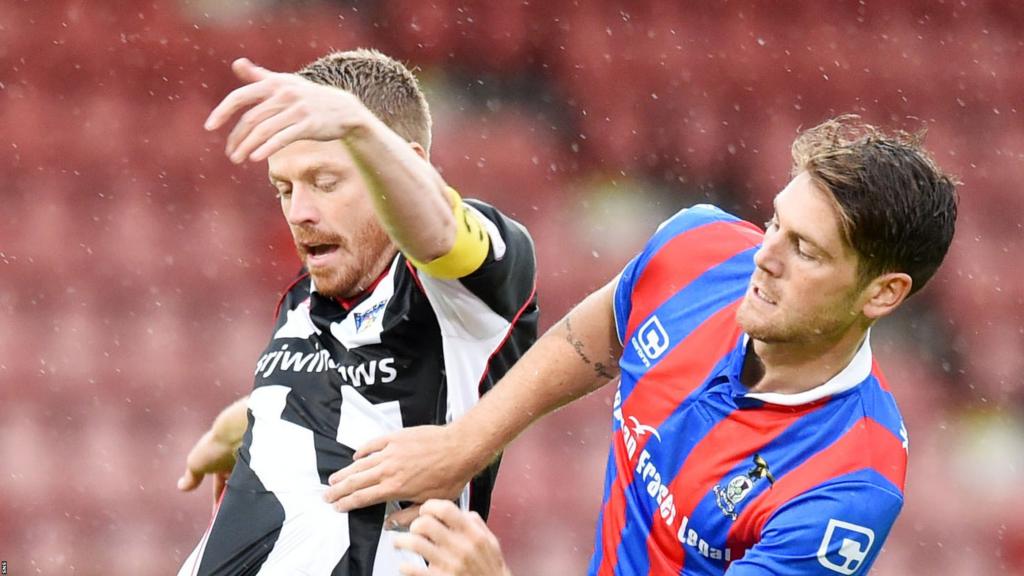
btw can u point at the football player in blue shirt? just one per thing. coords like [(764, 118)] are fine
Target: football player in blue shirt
[(753, 432)]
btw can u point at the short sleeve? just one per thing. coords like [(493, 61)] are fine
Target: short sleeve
[(484, 302), (835, 529), (623, 300), (679, 223)]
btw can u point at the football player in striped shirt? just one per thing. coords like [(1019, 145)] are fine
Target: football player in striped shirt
[(413, 303), (753, 431)]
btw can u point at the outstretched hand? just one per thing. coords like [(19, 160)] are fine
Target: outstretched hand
[(414, 464), (281, 108), (210, 456)]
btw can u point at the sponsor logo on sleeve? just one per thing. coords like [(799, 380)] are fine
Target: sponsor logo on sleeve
[(845, 546)]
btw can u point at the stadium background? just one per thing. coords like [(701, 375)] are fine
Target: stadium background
[(139, 268)]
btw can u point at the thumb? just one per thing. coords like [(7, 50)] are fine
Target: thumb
[(189, 481), (402, 518), (249, 72)]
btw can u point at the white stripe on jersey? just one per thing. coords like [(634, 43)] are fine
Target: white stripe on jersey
[(297, 324), (314, 537), (362, 420), (470, 333)]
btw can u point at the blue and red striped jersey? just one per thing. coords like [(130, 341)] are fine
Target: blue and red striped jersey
[(704, 477)]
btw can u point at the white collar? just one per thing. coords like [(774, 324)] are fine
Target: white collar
[(855, 372)]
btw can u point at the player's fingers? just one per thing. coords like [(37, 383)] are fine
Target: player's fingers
[(367, 497), (353, 468), (279, 140), (351, 486), (238, 98), (246, 71), (252, 117), (375, 445), (262, 133), (189, 481), (419, 545), (402, 518), (431, 528), (406, 569), (445, 511)]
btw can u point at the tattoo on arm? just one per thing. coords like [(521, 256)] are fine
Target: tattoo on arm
[(600, 368)]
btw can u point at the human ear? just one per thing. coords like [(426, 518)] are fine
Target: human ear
[(420, 150), (885, 293)]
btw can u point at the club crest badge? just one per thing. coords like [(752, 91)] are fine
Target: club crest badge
[(365, 319), (737, 489)]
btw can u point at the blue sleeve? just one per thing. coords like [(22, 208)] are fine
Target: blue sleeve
[(836, 529), (623, 302)]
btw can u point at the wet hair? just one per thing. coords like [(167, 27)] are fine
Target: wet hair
[(384, 85), (897, 208)]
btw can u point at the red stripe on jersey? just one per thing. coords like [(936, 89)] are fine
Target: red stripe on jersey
[(415, 275), (731, 442), (867, 444), (682, 260), (654, 398), (614, 518)]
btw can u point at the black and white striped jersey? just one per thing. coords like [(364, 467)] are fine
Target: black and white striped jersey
[(412, 350)]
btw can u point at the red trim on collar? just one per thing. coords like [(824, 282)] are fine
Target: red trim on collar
[(280, 301)]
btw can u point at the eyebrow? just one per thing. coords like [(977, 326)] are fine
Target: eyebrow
[(816, 245)]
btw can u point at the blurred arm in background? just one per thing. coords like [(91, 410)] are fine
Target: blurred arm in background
[(215, 452), (575, 357)]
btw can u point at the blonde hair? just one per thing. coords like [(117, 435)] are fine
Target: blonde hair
[(384, 85)]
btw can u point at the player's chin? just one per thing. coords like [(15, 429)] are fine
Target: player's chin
[(331, 282), (754, 323)]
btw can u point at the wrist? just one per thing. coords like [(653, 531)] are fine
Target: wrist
[(474, 443)]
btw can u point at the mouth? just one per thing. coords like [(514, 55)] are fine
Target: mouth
[(318, 253), (760, 295)]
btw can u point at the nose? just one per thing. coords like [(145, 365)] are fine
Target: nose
[(300, 208), (767, 257)]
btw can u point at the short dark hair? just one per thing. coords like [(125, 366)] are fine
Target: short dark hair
[(898, 209), (384, 85)]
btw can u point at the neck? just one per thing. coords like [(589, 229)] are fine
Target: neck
[(790, 368)]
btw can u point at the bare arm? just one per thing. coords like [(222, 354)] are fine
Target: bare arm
[(215, 451), (282, 108), (408, 194), (576, 356)]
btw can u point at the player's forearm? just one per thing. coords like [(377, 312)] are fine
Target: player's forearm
[(575, 357), (408, 194)]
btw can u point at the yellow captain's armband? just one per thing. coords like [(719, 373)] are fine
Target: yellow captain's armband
[(470, 249)]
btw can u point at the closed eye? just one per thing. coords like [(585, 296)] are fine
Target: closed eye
[(326, 184)]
